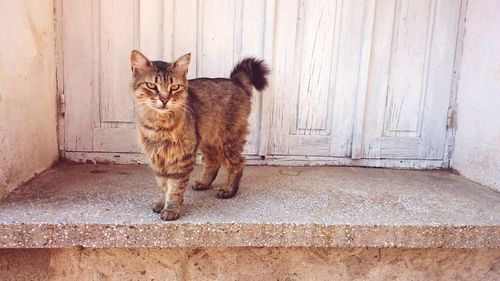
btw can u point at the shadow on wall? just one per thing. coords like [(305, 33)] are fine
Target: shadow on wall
[(28, 120)]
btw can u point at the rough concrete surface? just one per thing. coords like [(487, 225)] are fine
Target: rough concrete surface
[(252, 264), (109, 206)]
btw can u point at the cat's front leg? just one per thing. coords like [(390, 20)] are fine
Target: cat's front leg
[(173, 188)]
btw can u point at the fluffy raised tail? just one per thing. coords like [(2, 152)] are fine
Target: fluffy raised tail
[(250, 72)]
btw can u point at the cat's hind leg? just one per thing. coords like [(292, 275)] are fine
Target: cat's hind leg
[(158, 206), (212, 160), (234, 163)]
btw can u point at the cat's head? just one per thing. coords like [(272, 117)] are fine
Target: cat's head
[(157, 85)]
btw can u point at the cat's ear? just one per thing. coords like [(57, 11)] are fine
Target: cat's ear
[(138, 62), (182, 64)]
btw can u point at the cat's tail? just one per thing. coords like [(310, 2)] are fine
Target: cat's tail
[(251, 72)]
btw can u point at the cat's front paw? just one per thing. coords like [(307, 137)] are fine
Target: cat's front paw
[(172, 211), (170, 215)]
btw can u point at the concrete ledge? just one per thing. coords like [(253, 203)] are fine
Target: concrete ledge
[(103, 206), (244, 235)]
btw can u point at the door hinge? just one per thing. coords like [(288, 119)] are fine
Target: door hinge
[(62, 104), (452, 113)]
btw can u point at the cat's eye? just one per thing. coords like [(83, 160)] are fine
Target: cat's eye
[(174, 87), (151, 86)]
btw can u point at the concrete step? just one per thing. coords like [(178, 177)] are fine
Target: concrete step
[(102, 206)]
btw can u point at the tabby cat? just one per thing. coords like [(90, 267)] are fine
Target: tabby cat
[(177, 116)]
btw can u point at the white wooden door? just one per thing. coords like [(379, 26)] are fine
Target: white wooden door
[(365, 79)]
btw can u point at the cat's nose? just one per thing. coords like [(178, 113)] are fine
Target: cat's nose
[(164, 100)]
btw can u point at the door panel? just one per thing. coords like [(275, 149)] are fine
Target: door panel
[(317, 47), (409, 84)]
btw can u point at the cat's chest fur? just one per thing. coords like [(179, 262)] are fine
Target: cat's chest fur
[(167, 140)]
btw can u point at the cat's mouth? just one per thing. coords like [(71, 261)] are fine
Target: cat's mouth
[(162, 109)]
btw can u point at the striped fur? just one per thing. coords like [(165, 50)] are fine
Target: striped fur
[(176, 117)]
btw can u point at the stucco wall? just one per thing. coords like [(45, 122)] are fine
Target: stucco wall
[(28, 138), (477, 142), (250, 264)]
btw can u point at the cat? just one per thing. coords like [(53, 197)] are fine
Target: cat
[(177, 116)]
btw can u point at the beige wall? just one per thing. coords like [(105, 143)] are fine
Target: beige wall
[(477, 142), (250, 264), (28, 138)]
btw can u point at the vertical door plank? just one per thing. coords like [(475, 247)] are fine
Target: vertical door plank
[(116, 41), (283, 76), (315, 65), (151, 28), (185, 34), (361, 96), (217, 42), (378, 79), (346, 75), (267, 95), (79, 65), (251, 44), (168, 22)]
